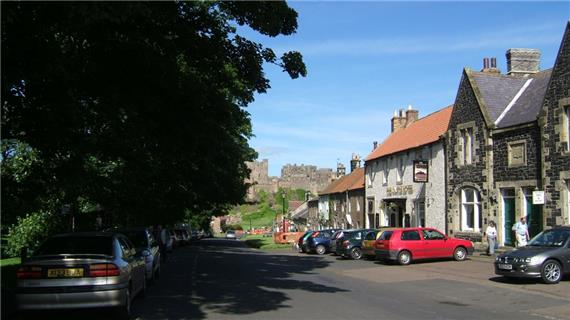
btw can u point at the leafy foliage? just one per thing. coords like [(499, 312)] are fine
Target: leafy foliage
[(137, 107), (30, 231)]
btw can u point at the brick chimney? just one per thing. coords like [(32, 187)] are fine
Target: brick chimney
[(374, 145), (398, 120), (490, 66), (355, 162), (411, 115), (522, 62)]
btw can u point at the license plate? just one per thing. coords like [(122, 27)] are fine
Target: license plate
[(506, 266), (65, 273)]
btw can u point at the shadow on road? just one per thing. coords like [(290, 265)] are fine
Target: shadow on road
[(225, 278)]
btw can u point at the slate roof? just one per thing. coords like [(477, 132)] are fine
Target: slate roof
[(498, 91), (352, 181), (422, 132)]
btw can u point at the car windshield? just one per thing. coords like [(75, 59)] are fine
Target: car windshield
[(139, 239), (550, 238), (231, 232), (77, 245)]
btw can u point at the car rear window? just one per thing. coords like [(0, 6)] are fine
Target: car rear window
[(77, 245), (386, 235)]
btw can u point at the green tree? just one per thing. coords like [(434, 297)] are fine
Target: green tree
[(139, 107)]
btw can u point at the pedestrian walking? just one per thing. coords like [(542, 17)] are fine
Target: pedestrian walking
[(521, 232), (491, 234), (160, 235)]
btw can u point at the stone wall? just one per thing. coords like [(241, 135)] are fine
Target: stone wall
[(555, 153), (527, 136), (466, 113)]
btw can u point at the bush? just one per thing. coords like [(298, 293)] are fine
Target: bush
[(30, 231)]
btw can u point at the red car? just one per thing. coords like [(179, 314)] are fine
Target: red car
[(407, 244)]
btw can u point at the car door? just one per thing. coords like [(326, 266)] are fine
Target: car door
[(434, 244), (411, 241), (135, 264)]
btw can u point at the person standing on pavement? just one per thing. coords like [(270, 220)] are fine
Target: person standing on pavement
[(161, 238), (521, 232), (491, 234)]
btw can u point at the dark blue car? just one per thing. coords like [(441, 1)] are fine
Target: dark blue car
[(320, 241)]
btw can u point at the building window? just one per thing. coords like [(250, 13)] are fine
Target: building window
[(466, 146), (567, 202), (421, 208), (470, 210), (401, 168), (567, 126), (517, 153), (385, 172)]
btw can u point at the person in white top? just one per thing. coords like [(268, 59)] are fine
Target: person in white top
[(491, 234), (521, 232)]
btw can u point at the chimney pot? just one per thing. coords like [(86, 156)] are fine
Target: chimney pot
[(375, 145)]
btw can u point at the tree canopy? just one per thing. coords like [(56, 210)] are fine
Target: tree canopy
[(138, 108)]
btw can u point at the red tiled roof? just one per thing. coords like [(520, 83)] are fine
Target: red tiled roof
[(424, 131), (352, 181)]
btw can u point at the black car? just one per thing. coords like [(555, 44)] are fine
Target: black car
[(546, 256), (350, 244)]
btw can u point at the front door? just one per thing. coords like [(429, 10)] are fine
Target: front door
[(533, 215), (508, 215)]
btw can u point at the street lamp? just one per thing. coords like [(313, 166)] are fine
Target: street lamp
[(283, 215)]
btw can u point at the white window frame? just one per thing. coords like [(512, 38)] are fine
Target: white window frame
[(567, 127), (476, 210)]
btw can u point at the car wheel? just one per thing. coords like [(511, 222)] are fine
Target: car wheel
[(460, 254), (356, 253), (320, 249), (404, 257), (551, 272)]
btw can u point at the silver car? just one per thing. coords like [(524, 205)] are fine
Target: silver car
[(146, 246), (82, 270), (546, 256), (231, 234)]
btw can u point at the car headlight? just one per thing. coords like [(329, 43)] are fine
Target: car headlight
[(533, 260)]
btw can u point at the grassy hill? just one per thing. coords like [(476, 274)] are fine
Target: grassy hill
[(263, 213)]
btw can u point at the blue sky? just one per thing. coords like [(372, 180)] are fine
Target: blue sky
[(367, 59)]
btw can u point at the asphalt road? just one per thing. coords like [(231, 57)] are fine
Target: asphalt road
[(222, 279)]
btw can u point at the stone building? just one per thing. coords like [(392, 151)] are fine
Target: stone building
[(405, 174), (500, 149), (343, 201), (259, 179), (554, 124), (307, 177)]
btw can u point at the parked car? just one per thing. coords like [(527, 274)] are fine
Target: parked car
[(182, 236), (546, 256), (231, 234), (146, 246), (368, 244), (350, 245), (302, 242), (319, 241), (336, 238), (407, 244), (81, 270)]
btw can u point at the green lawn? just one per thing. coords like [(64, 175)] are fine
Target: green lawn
[(8, 272), (264, 243)]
